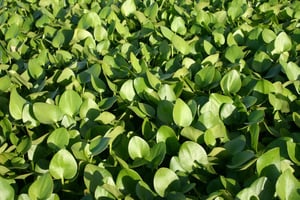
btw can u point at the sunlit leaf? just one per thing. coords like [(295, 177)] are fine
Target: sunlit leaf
[(182, 114), (63, 165)]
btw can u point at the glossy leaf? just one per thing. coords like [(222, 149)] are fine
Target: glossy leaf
[(41, 188), (7, 191), (70, 102), (164, 181), (231, 82), (192, 154), (128, 7), (16, 104), (47, 113), (287, 186), (138, 148), (58, 139), (182, 114), (63, 165), (282, 43), (234, 54)]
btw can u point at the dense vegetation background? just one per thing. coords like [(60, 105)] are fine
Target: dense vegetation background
[(168, 99)]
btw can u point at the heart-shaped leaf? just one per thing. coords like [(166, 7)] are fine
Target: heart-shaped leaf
[(182, 114), (63, 165), (41, 188), (165, 181)]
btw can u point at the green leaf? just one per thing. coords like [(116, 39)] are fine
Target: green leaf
[(287, 186), (63, 165), (282, 43), (268, 35), (144, 192), (182, 114), (47, 113), (70, 102), (268, 164), (128, 7), (127, 180), (165, 181), (5, 83), (180, 44), (191, 154), (256, 116), (167, 135), (135, 63), (7, 191), (234, 53), (95, 176), (178, 25), (127, 90), (138, 148), (58, 139), (16, 104), (98, 145), (254, 190), (231, 82), (207, 77), (90, 19), (293, 150), (41, 188), (292, 71), (98, 84)]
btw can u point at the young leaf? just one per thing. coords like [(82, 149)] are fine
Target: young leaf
[(128, 7), (268, 164), (41, 188), (165, 181), (127, 90), (63, 165), (182, 114), (287, 186), (16, 104), (178, 25), (47, 113), (231, 82), (234, 53), (282, 43), (138, 148), (58, 139), (7, 191), (192, 154), (70, 102)]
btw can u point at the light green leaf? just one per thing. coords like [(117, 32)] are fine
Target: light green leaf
[(234, 53), (47, 113), (63, 165), (138, 148), (165, 181), (268, 35), (178, 25), (70, 102), (180, 44), (16, 104), (167, 135), (282, 43), (5, 83), (58, 139), (231, 82), (182, 114), (254, 190), (287, 186), (268, 164), (191, 154), (41, 188), (7, 191), (127, 90), (127, 180), (128, 7)]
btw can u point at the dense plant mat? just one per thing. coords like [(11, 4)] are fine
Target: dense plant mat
[(149, 99)]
